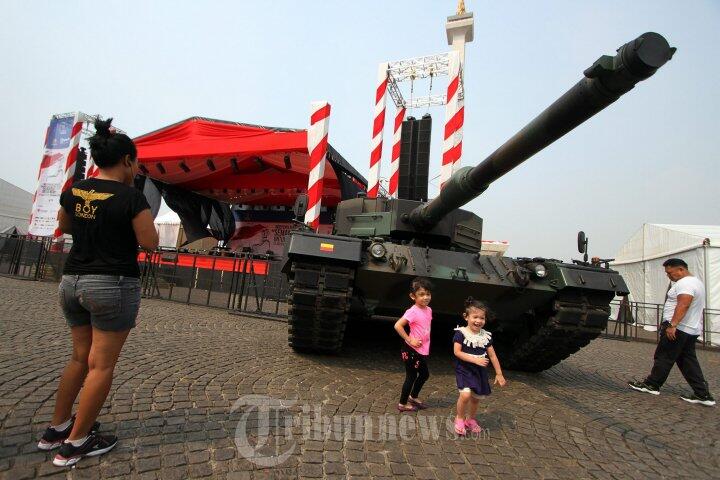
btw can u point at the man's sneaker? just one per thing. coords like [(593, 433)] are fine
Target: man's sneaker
[(644, 387), (706, 400), (54, 438), (95, 444)]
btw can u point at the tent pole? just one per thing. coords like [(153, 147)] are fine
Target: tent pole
[(706, 266)]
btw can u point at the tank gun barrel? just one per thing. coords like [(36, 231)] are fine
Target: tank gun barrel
[(603, 83)]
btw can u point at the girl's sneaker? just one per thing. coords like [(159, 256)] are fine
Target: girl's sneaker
[(52, 438), (460, 427), (95, 444), (473, 425), (417, 403), (405, 408)]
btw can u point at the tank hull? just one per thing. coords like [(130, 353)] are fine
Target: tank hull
[(537, 321)]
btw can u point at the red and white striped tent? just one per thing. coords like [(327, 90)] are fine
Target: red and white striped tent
[(240, 163)]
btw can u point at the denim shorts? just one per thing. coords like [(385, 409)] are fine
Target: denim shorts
[(107, 302)]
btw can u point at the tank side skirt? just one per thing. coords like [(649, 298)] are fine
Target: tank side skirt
[(571, 326), (318, 305)]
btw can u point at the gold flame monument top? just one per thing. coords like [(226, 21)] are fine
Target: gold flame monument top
[(459, 28)]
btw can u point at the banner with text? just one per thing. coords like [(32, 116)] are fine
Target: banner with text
[(262, 237), (58, 145)]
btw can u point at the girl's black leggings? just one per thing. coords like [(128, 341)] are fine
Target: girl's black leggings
[(416, 373)]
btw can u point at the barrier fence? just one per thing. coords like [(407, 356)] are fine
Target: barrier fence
[(249, 283), (640, 321), (243, 282), (23, 257)]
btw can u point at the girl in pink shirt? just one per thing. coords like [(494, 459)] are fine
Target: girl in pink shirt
[(416, 348)]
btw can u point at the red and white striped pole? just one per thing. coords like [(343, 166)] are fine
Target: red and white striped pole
[(377, 132), (317, 142), (71, 162), (454, 119), (395, 157), (92, 169)]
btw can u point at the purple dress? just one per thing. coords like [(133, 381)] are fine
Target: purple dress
[(469, 375)]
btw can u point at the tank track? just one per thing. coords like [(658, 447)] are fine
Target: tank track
[(570, 327), (318, 304)]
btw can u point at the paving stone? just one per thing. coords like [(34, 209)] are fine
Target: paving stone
[(147, 464), (198, 457), (423, 473), (333, 468), (311, 456), (174, 473), (356, 468), (116, 470), (311, 470), (77, 473), (400, 469), (171, 448), (239, 476), (224, 454), (377, 470), (200, 470), (174, 460)]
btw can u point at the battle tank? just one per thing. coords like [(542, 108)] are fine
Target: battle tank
[(545, 309)]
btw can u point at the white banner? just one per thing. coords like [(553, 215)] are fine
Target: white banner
[(58, 144), (267, 236)]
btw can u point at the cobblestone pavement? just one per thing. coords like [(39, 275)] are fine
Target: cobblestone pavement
[(185, 367)]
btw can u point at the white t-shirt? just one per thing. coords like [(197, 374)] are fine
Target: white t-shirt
[(692, 323)]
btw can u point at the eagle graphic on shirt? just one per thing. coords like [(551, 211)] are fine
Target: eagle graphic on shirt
[(87, 210)]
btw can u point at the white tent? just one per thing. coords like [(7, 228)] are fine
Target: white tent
[(168, 226), (15, 207), (640, 261)]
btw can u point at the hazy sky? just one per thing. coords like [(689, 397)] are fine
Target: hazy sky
[(651, 157)]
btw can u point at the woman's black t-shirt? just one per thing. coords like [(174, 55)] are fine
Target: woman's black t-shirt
[(104, 241)]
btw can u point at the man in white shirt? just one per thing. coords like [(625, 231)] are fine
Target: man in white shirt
[(681, 326)]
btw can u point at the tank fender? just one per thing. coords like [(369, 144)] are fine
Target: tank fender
[(325, 249), (595, 279)]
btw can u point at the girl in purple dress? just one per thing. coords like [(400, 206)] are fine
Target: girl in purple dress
[(473, 351)]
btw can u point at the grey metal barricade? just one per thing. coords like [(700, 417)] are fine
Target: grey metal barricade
[(23, 256), (242, 282), (640, 321)]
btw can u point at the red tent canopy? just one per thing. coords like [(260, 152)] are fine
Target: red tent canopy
[(238, 163)]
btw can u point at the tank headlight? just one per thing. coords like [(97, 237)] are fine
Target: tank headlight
[(377, 251), (539, 270)]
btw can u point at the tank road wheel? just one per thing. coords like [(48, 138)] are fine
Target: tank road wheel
[(549, 340), (318, 304)]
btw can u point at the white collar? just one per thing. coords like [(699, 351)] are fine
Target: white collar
[(475, 340)]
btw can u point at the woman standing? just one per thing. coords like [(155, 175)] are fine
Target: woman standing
[(100, 289)]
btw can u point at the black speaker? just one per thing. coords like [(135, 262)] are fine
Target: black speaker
[(414, 158), (80, 164)]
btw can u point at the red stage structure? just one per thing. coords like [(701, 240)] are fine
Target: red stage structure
[(241, 164)]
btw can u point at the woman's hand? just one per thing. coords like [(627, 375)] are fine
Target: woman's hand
[(415, 342), (500, 379)]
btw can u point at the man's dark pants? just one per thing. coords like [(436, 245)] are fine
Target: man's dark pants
[(680, 351)]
